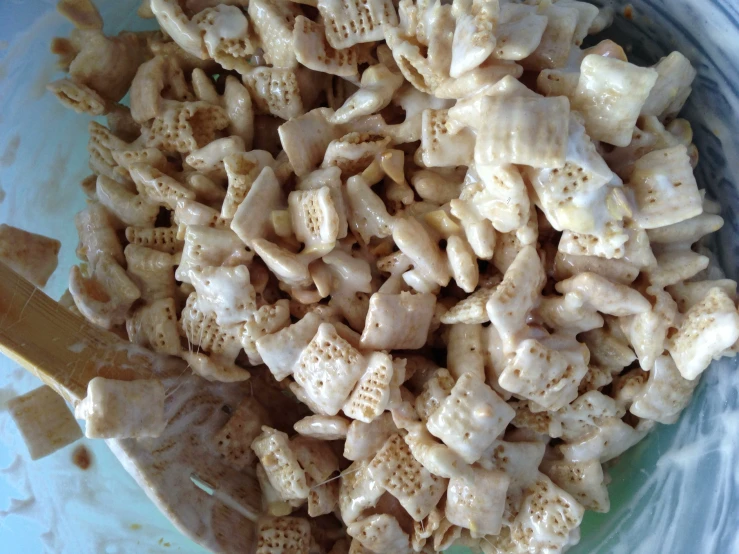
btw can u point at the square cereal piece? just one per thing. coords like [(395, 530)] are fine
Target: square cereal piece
[(314, 218), (476, 501), (363, 440), (273, 449), (583, 416), (372, 393), (32, 256), (314, 52), (470, 418), (252, 219), (610, 95), (328, 369), (610, 439), (306, 137), (672, 88), (201, 329), (280, 351), (664, 188), (396, 470), (398, 321), (380, 533), (233, 440), (607, 350), (528, 131), (274, 91), (445, 143), (351, 22), (558, 39), (358, 492), (675, 266), (273, 22), (688, 294), (210, 247), (44, 420), (433, 392), (707, 331), (516, 296), (546, 519), (585, 481), (283, 535), (155, 326)]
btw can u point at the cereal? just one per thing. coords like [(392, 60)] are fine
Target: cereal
[(316, 186)]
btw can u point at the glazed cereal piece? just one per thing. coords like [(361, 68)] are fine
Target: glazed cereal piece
[(465, 351), (583, 416), (707, 330), (446, 535), (665, 394), (543, 375), (523, 140), (206, 247), (547, 518), (282, 350), (106, 296), (612, 438), (155, 326), (364, 440), (243, 169), (470, 418), (605, 296), (568, 313), (371, 395), (395, 470), (283, 535), (252, 218), (687, 232), (157, 187), (327, 428), (377, 87), (398, 321), (152, 272), (274, 21), (225, 32), (647, 331), (274, 91), (688, 294), (367, 214), (214, 367), (156, 81), (319, 462), (44, 421), (305, 139), (266, 320), (443, 142), (225, 291), (520, 30), (173, 20), (208, 160), (414, 241), (476, 501), (425, 529), (380, 533), (516, 295), (585, 481), (78, 97), (618, 271), (292, 269), (314, 218), (201, 329), (356, 22), (186, 126), (129, 207), (100, 147), (281, 464), (667, 97), (664, 188), (610, 96), (328, 369), (519, 461), (474, 35), (32, 256), (470, 310), (672, 267), (354, 152), (96, 228), (608, 350), (272, 502), (557, 40), (359, 491), (122, 409), (314, 52), (499, 195), (433, 392)]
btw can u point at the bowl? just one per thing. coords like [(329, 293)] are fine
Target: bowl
[(677, 491)]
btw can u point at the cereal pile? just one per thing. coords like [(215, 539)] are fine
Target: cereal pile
[(467, 248)]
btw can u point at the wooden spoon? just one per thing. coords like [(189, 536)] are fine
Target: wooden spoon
[(66, 352)]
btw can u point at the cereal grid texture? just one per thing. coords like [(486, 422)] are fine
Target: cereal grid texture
[(439, 279)]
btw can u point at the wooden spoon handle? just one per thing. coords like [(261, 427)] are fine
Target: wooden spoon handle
[(61, 348)]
